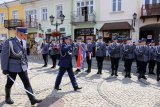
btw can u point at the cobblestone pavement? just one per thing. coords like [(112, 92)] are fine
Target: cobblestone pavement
[(98, 90)]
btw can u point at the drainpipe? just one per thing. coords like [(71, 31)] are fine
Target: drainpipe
[(8, 16)]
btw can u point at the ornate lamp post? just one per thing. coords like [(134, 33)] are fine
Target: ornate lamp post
[(134, 18)]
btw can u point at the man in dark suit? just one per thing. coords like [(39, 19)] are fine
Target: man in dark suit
[(14, 62), (45, 52), (65, 64)]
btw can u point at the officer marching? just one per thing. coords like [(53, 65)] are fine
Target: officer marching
[(65, 64), (142, 52), (100, 53), (152, 58), (128, 55), (89, 52), (115, 51), (14, 62)]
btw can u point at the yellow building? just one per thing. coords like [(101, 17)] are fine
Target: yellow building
[(11, 16)]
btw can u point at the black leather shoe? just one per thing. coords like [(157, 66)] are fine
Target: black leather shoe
[(112, 74), (35, 101), (44, 66), (9, 101), (158, 79), (129, 76), (57, 88), (77, 88), (144, 77), (53, 67), (152, 73)]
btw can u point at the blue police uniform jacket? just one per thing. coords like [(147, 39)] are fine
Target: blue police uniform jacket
[(157, 53), (65, 56), (45, 48), (13, 57), (128, 51), (53, 50), (115, 50), (142, 53), (100, 49), (76, 47), (90, 47), (152, 55)]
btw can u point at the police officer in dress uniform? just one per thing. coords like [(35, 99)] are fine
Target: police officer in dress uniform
[(54, 51), (152, 58), (100, 53), (76, 48), (89, 52), (157, 54), (65, 64), (128, 55), (14, 62), (142, 52), (137, 61), (115, 51), (45, 52)]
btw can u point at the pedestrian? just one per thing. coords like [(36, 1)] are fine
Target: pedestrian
[(100, 53), (152, 58), (14, 62), (54, 50), (115, 50), (89, 54), (128, 55), (142, 52), (65, 64), (77, 46), (45, 52)]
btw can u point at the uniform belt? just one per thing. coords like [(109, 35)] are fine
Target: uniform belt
[(15, 58)]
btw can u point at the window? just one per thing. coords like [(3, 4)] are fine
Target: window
[(44, 14), (59, 10), (15, 14), (30, 15), (116, 5), (1, 17)]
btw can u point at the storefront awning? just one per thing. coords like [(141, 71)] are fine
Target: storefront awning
[(116, 26)]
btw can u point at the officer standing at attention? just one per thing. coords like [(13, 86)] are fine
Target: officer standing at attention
[(14, 62), (89, 52), (142, 52), (137, 61), (115, 51), (100, 53), (45, 52), (76, 48), (65, 64), (152, 58), (128, 55), (157, 54)]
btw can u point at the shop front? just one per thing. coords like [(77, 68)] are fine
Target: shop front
[(84, 33), (120, 30)]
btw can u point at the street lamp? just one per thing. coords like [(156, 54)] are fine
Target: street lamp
[(134, 19)]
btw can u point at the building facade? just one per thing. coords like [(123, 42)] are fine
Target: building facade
[(11, 16)]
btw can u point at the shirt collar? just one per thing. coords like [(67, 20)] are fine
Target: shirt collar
[(18, 39)]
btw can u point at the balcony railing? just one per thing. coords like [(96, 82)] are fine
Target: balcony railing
[(150, 10), (77, 17), (13, 23), (31, 24)]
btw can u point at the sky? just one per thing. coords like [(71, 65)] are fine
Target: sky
[(1, 1)]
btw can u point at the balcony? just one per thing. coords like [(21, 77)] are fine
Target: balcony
[(79, 18), (13, 23), (31, 24), (150, 11), (27, 1)]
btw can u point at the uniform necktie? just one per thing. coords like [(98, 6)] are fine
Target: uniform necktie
[(21, 43)]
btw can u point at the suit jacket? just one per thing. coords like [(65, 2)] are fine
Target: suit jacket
[(100, 49), (152, 55), (65, 58), (128, 51), (157, 53), (9, 59)]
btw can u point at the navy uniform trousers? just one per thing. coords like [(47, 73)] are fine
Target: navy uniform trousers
[(62, 70)]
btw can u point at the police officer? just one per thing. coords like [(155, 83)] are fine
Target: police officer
[(157, 53), (76, 48), (45, 52), (65, 64), (14, 62), (128, 55), (152, 58), (115, 51), (137, 61), (100, 53), (54, 51), (142, 52), (89, 52)]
